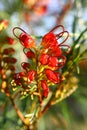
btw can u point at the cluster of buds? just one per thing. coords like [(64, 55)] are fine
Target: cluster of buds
[(7, 67), (7, 60), (45, 62)]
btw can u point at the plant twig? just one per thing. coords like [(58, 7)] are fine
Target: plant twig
[(19, 113), (64, 11)]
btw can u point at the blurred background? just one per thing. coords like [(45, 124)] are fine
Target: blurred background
[(37, 17)]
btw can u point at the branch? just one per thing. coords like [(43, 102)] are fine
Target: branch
[(19, 113), (64, 11)]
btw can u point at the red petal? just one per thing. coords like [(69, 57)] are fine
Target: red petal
[(46, 92), (49, 40), (52, 76), (31, 75), (44, 84), (53, 61), (29, 53), (25, 65), (27, 40), (44, 59), (55, 51), (45, 88), (19, 75)]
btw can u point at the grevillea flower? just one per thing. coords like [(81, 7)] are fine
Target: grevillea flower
[(44, 84), (45, 88), (49, 41), (26, 40), (55, 51), (44, 59), (53, 61), (52, 76), (46, 92), (18, 78), (62, 61), (31, 75), (19, 75), (25, 65), (29, 53)]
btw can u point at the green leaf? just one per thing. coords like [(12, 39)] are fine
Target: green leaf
[(83, 53), (78, 47), (79, 38), (74, 26)]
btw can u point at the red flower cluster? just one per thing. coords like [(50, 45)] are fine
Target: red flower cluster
[(38, 7), (7, 62), (51, 57), (46, 61)]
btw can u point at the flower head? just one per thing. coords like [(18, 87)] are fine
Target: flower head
[(45, 62)]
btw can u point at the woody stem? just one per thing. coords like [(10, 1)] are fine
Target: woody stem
[(19, 113)]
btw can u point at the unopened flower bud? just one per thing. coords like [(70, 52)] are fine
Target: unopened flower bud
[(26, 40)]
